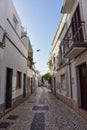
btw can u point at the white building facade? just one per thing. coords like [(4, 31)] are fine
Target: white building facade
[(13, 57), (71, 71)]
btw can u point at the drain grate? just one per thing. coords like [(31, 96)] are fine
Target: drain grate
[(5, 125), (40, 108), (12, 117)]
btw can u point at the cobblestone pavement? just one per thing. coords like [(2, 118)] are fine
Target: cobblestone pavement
[(42, 111)]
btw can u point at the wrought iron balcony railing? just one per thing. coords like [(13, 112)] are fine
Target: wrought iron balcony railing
[(75, 37)]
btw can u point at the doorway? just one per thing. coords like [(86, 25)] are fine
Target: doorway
[(8, 96), (83, 85), (31, 85), (24, 86), (54, 85)]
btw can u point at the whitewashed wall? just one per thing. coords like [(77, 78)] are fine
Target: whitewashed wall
[(10, 56)]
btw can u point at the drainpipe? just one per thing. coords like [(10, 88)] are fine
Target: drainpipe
[(70, 78)]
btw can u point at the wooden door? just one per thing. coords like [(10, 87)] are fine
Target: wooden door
[(24, 86), (83, 85), (8, 96)]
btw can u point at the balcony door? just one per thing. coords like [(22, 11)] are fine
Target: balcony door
[(77, 26)]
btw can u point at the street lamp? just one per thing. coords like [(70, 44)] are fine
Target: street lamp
[(38, 50)]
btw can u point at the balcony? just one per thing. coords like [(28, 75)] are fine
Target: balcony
[(30, 63), (67, 6), (61, 61), (75, 41), (55, 60), (2, 37)]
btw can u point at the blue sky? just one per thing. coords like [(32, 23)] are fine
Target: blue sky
[(41, 19)]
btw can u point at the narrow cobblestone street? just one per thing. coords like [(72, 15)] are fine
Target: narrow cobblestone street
[(42, 111)]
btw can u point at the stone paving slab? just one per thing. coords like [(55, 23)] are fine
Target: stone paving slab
[(40, 108), (5, 125), (38, 122), (58, 117)]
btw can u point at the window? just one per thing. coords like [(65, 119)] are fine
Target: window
[(18, 80), (28, 81), (15, 22), (63, 84), (54, 59)]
